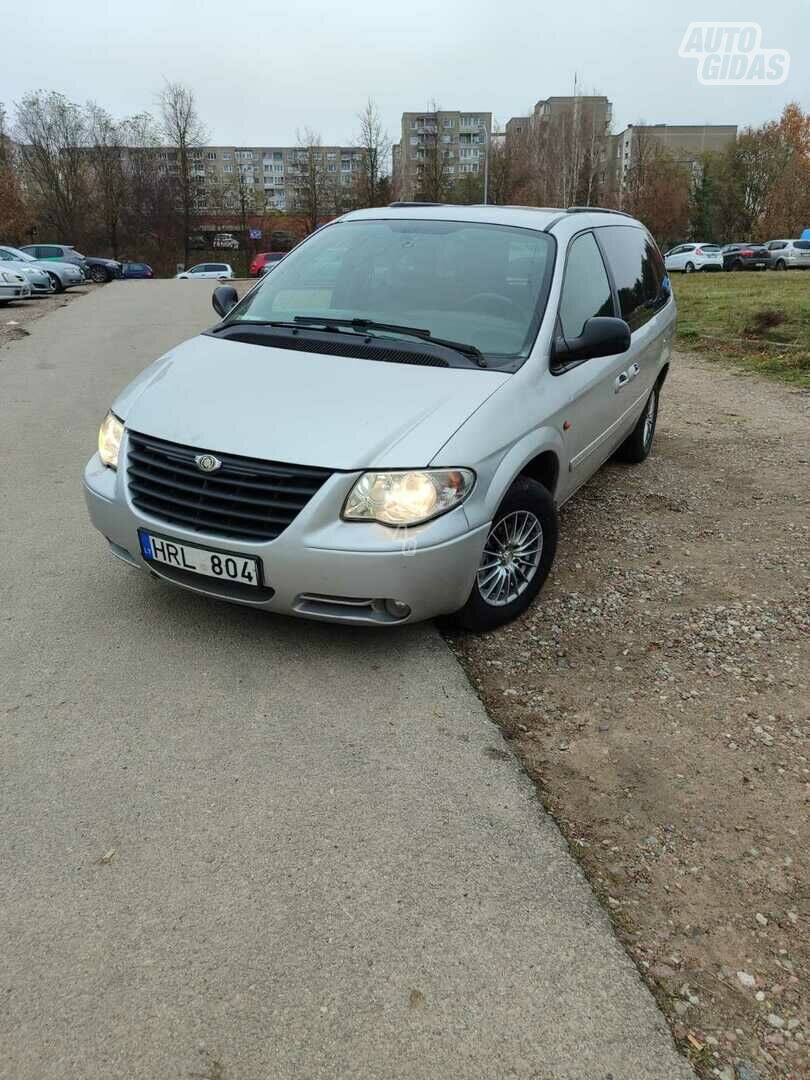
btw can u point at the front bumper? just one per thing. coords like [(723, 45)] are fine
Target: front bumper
[(320, 567), (17, 291)]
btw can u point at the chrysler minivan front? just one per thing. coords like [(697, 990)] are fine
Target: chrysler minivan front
[(343, 445)]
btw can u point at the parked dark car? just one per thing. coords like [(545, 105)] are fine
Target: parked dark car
[(745, 257), (101, 270), (136, 270)]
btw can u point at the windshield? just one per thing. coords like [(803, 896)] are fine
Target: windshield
[(23, 256), (481, 284)]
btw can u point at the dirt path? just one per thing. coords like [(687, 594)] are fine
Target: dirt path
[(659, 694)]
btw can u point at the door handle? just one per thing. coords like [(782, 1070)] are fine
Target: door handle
[(621, 380), (634, 370)]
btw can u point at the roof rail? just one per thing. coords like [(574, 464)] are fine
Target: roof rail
[(595, 210), (394, 205)]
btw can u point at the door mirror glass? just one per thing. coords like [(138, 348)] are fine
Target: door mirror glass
[(225, 297), (601, 336)]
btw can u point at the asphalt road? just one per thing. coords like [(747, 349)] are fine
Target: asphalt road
[(237, 847)]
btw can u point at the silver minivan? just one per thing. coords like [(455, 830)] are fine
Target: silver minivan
[(384, 428), (789, 254)]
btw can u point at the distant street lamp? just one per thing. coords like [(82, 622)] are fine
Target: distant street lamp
[(483, 131)]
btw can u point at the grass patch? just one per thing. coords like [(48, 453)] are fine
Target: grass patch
[(758, 319)]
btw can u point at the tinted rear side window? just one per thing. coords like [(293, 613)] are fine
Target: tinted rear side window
[(802, 245), (586, 290), (638, 272)]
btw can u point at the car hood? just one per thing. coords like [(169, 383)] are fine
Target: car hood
[(307, 408), (57, 264)]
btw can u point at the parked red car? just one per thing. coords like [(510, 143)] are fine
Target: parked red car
[(265, 259)]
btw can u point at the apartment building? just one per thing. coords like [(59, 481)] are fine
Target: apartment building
[(462, 138), (595, 110), (259, 177), (684, 142)]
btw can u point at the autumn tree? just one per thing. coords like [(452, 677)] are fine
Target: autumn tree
[(185, 133), (657, 190)]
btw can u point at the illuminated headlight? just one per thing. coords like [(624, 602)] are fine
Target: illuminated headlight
[(407, 497), (109, 440)]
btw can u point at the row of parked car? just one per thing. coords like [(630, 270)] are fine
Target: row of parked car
[(775, 255), (40, 269)]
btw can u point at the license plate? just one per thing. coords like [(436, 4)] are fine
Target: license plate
[(223, 565), (759, 264)]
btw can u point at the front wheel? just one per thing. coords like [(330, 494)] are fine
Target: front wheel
[(56, 284), (516, 559), (99, 275), (689, 268)]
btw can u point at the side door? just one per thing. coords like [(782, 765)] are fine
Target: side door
[(676, 260), (642, 289), (590, 385)]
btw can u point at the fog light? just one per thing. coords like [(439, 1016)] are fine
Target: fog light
[(397, 609)]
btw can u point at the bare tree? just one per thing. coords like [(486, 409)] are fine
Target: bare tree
[(52, 133), (106, 157), (375, 148), (185, 132), (433, 178), (314, 192)]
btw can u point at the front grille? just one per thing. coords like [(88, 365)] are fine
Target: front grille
[(247, 499)]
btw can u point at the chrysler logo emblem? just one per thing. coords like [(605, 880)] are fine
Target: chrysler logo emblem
[(208, 463)]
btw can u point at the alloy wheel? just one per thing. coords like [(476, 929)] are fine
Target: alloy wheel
[(511, 558)]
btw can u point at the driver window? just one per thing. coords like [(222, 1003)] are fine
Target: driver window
[(586, 289)]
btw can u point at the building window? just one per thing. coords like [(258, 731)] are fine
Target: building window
[(227, 168), (226, 157), (212, 155)]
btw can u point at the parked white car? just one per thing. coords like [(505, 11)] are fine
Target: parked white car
[(13, 286), (220, 271), (690, 257), (789, 254)]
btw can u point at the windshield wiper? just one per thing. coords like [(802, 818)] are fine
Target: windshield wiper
[(394, 328)]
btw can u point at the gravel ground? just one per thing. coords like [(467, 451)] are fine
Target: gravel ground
[(15, 316), (659, 695)]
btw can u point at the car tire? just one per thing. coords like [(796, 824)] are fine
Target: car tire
[(638, 444), (736, 266), (99, 275), (689, 268), (56, 282), (780, 265), (526, 525)]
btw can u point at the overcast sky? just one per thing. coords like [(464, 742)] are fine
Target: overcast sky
[(263, 69)]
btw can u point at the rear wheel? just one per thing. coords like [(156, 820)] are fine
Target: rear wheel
[(516, 559), (636, 447), (780, 265), (56, 282), (689, 268), (736, 266)]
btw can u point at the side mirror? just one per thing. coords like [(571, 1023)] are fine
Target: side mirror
[(225, 297), (601, 336)]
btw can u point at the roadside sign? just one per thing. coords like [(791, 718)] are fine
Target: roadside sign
[(255, 234)]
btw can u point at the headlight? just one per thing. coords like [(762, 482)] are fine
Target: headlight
[(11, 277), (109, 440), (407, 497)]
